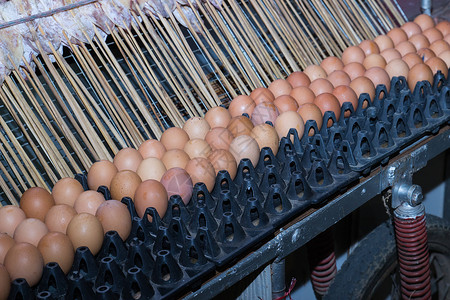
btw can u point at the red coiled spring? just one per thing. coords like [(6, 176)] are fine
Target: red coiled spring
[(413, 257), (322, 261)]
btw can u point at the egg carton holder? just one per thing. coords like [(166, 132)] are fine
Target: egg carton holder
[(177, 252)]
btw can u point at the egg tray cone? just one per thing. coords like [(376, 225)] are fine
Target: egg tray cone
[(215, 229)]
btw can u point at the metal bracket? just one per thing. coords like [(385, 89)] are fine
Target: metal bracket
[(399, 176), (401, 171)]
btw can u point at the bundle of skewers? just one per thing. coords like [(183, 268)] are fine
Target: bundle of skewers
[(74, 97)]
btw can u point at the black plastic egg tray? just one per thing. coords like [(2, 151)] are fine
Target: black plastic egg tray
[(165, 258)]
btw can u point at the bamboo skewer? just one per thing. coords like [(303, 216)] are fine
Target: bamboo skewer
[(261, 41), (106, 52), (47, 103), (160, 52)]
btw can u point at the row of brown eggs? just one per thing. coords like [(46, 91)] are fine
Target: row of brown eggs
[(195, 153), (50, 227)]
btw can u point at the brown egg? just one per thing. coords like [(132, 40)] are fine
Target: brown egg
[(397, 35), (175, 158), (412, 59), (378, 76), (437, 64), (320, 86), (302, 95), (223, 160), (86, 230), (124, 184), (24, 260), (114, 215), (425, 54), (328, 102), (280, 87), (197, 148), (201, 170), (5, 283), (244, 146), (88, 202), (260, 95), (383, 42), (266, 136), (439, 46), (314, 72), (174, 138), (417, 73), (196, 128), (447, 38), (419, 41), (390, 54), (331, 64), (10, 217), (240, 125), (152, 148), (445, 56), (363, 84), (405, 48), (310, 111), (101, 173), (338, 78), (66, 191), (59, 217), (177, 181), (374, 60), (264, 112), (433, 35), (218, 117), (151, 168), (344, 93), (369, 47), (354, 70), (443, 27), (36, 202), (411, 28), (57, 247), (297, 79), (424, 21), (353, 54), (6, 242), (288, 120), (397, 67), (151, 193), (31, 231), (241, 104), (219, 138), (285, 103), (127, 159)]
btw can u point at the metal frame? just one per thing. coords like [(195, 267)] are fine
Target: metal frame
[(411, 159)]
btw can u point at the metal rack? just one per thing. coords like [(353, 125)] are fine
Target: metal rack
[(310, 224)]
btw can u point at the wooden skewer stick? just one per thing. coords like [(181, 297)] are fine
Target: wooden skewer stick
[(117, 69), (143, 68), (66, 130), (24, 164), (12, 93), (314, 53), (160, 53), (175, 37), (227, 62), (259, 48), (48, 104), (295, 38), (40, 134)]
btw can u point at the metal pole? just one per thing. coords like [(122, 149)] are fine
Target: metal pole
[(278, 278), (425, 6)]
